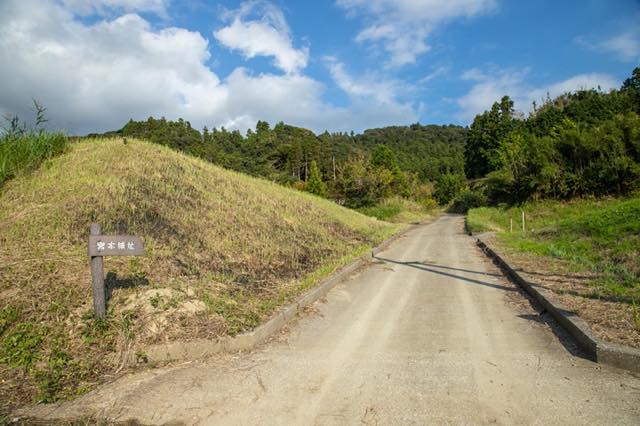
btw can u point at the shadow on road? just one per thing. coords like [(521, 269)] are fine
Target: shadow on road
[(542, 317), (423, 267), (435, 265)]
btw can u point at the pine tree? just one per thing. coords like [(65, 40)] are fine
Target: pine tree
[(314, 183)]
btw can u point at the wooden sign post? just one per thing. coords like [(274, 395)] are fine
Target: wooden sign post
[(107, 245)]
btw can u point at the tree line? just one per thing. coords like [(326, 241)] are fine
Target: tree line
[(356, 170), (585, 143)]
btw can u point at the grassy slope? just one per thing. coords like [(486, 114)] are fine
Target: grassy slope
[(599, 236), (223, 252)]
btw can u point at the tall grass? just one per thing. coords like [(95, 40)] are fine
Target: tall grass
[(24, 153), (23, 149)]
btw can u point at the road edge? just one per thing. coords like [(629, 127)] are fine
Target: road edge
[(597, 350), (202, 348)]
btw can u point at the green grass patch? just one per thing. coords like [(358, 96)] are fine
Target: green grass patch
[(598, 236), (399, 210)]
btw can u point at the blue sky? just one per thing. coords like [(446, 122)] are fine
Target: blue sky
[(338, 65)]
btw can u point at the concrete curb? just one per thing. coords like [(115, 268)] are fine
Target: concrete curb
[(597, 350), (200, 348)]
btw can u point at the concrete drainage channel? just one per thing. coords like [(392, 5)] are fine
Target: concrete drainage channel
[(597, 350), (201, 348)]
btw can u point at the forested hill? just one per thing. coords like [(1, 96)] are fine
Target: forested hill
[(581, 144), (284, 153), (429, 151)]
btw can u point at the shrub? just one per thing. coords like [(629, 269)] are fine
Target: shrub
[(468, 200), (314, 184), (448, 187), (398, 209)]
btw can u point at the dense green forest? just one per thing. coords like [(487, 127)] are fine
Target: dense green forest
[(579, 144), (355, 170)]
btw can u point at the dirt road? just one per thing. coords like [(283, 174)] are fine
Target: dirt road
[(429, 333)]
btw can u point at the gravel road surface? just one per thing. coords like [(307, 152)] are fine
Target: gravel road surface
[(429, 333)]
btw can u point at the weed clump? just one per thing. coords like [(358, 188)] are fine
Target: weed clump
[(23, 149)]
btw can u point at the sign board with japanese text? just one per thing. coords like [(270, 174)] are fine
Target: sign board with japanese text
[(115, 245), (107, 245)]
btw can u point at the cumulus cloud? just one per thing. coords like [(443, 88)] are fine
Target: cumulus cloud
[(267, 35), (94, 77), (401, 27), (491, 85), (97, 76)]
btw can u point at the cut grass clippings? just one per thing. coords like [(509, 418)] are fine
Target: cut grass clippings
[(223, 252)]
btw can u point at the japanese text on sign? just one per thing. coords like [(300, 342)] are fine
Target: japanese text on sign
[(115, 245)]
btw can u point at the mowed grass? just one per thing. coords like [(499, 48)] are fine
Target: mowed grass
[(597, 236), (223, 251)]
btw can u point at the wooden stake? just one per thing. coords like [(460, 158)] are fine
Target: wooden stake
[(524, 229), (511, 225), (97, 279)]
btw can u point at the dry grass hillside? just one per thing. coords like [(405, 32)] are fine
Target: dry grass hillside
[(223, 252)]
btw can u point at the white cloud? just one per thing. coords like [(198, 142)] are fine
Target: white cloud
[(98, 76), (491, 85), (442, 70), (384, 91), (488, 88), (401, 27), (602, 81), (375, 98), (94, 77), (625, 45), (269, 35)]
